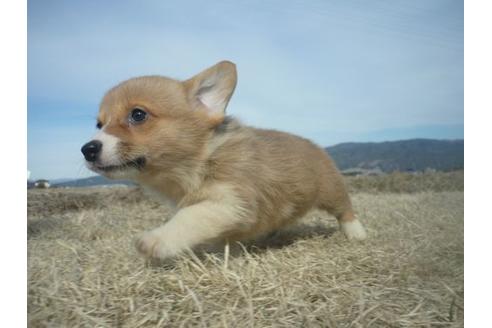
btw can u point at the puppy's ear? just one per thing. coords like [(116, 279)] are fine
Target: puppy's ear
[(210, 90)]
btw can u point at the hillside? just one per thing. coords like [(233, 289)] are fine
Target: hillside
[(403, 155)]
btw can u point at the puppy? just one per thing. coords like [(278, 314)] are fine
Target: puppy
[(228, 181)]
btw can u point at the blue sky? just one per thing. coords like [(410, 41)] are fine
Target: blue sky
[(332, 71)]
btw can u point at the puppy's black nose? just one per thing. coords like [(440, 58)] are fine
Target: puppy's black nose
[(91, 150)]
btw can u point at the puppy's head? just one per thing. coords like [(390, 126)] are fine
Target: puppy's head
[(155, 123)]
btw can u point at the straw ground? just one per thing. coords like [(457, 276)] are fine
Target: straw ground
[(83, 270)]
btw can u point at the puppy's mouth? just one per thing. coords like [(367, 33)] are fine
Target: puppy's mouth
[(137, 163)]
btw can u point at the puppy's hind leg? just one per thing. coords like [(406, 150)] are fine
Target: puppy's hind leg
[(341, 208), (351, 226)]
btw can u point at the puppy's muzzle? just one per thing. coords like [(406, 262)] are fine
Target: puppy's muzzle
[(91, 150)]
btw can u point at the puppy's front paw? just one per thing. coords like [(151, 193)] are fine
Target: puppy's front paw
[(151, 245)]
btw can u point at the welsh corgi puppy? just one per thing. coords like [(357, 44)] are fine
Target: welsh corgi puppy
[(228, 181)]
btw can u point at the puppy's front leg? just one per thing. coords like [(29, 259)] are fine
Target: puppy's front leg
[(192, 226)]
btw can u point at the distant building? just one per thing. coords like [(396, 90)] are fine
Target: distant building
[(42, 184)]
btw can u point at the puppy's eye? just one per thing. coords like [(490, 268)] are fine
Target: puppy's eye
[(99, 125), (137, 115)]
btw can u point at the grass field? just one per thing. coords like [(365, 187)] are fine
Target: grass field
[(83, 270)]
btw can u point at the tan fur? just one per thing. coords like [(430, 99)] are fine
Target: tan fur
[(229, 181)]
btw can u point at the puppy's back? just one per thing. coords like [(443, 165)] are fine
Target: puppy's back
[(285, 174)]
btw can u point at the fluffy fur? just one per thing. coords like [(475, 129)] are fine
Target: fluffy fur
[(228, 181)]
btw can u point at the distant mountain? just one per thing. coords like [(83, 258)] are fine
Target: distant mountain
[(403, 155), (91, 181)]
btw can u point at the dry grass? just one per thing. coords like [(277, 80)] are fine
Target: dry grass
[(84, 271), (408, 182)]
